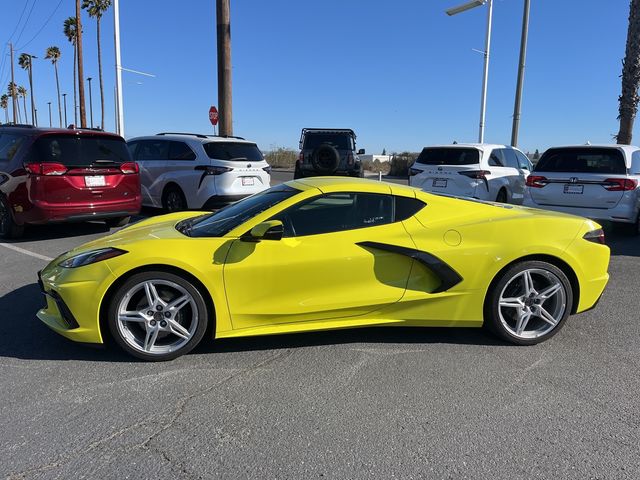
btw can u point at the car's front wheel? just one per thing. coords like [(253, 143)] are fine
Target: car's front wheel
[(157, 316), (528, 303)]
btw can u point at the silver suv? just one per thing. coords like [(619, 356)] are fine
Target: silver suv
[(328, 151), (182, 170), (593, 181)]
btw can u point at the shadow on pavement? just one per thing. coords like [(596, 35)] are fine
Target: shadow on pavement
[(622, 243)]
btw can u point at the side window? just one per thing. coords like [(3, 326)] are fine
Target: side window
[(180, 151), (9, 146), (407, 207), (132, 149), (496, 159), (523, 161), (336, 212), (510, 157), (152, 150)]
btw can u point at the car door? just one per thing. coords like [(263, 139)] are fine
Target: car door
[(152, 157), (499, 177), (320, 269), (181, 169), (515, 175)]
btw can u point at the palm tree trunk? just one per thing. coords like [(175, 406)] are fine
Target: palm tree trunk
[(55, 66), (83, 114), (24, 105), (100, 76), (33, 102), (19, 115), (75, 85), (630, 76)]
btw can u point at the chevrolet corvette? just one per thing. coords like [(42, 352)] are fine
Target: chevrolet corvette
[(327, 253)]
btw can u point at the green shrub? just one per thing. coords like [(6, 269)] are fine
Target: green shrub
[(281, 157), (400, 163)]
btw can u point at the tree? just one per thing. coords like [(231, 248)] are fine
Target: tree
[(12, 92), (71, 32), (4, 104), (95, 9), (630, 76), (536, 155), (22, 92), (24, 60), (384, 151), (53, 54), (83, 112)]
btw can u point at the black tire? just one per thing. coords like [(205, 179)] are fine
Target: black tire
[(125, 335), (297, 173), (173, 199), (8, 226), (325, 159), (502, 196), (504, 323), (117, 221), (631, 229)]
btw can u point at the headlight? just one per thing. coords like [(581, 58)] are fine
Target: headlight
[(92, 256)]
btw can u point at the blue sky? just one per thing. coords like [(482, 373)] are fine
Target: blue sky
[(401, 74)]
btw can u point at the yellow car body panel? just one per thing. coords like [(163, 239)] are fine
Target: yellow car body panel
[(328, 281)]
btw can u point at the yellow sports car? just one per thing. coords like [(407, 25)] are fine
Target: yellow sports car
[(326, 253)]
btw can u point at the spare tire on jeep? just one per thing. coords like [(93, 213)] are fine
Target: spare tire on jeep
[(325, 159)]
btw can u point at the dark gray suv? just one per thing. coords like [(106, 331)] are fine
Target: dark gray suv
[(328, 151)]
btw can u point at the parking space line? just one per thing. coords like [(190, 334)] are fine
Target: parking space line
[(26, 252)]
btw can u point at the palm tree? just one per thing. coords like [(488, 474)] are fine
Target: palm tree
[(22, 92), (25, 63), (53, 54), (630, 76), (4, 103), (12, 91), (83, 113), (96, 9), (71, 32)]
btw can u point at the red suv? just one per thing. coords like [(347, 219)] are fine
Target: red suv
[(60, 175)]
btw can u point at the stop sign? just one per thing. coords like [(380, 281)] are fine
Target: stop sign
[(213, 115)]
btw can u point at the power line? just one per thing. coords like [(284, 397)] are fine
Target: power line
[(19, 20), (26, 21), (4, 58), (43, 25)]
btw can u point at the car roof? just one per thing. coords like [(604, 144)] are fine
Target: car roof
[(346, 184), (630, 148), (194, 137), (37, 131), (480, 146)]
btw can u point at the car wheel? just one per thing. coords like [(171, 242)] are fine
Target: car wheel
[(502, 196), (632, 229), (157, 316), (528, 303), (325, 159), (173, 199), (8, 227), (117, 221), (297, 174)]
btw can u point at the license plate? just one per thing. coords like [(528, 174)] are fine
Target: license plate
[(573, 189), (247, 181), (440, 182), (95, 181)]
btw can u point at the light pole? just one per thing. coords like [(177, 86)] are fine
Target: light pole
[(50, 122), (483, 101), (64, 96), (90, 102), (523, 55), (116, 35)]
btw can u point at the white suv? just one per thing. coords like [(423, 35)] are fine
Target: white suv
[(181, 170), (593, 181), (487, 172)]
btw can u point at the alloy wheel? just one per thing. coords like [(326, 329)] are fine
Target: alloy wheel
[(532, 303), (157, 317)]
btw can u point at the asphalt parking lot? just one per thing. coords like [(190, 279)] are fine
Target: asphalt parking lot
[(368, 403)]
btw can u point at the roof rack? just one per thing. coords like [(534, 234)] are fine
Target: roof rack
[(18, 125), (305, 130), (227, 136), (199, 135)]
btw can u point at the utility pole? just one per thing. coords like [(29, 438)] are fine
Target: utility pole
[(83, 113), (485, 76), (50, 122), (224, 66), (12, 92), (523, 54), (118, 102)]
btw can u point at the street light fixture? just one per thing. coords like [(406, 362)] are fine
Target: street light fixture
[(485, 77)]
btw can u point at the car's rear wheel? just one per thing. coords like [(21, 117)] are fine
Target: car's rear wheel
[(632, 229), (117, 221), (502, 196), (528, 303), (157, 316), (8, 227), (173, 199)]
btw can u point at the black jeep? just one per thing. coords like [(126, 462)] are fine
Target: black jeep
[(328, 151)]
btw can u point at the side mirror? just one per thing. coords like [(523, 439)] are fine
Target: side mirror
[(269, 230), (361, 151)]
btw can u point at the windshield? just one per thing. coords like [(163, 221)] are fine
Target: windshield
[(233, 151), (582, 160), (339, 141), (81, 150), (449, 156), (223, 221)]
